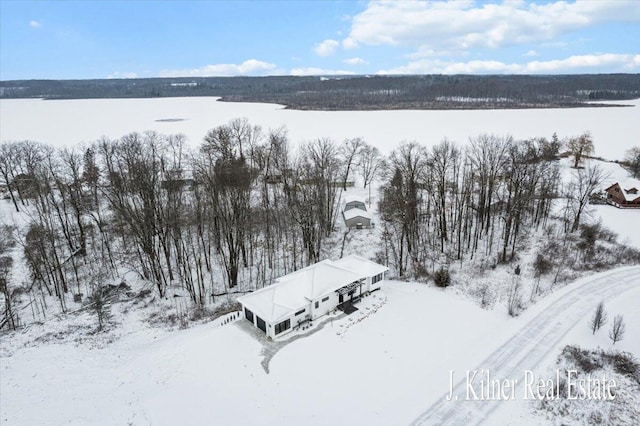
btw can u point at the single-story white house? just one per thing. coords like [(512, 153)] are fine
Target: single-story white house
[(310, 293)]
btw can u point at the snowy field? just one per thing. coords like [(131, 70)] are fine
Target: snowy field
[(69, 122), (625, 223), (385, 369)]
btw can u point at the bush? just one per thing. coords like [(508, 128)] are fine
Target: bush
[(541, 265), (420, 272), (442, 278), (487, 295), (99, 303)]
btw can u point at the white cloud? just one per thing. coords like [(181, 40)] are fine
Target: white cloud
[(35, 24), (318, 71), (118, 74), (531, 53), (355, 61), (608, 62), (426, 52), (443, 25), (326, 47), (248, 67), (349, 43)]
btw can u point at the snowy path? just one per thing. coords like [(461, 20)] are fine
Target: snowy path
[(530, 346), (271, 347)]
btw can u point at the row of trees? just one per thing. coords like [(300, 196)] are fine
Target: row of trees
[(449, 203), (245, 207), (354, 92), (599, 319), (465, 196), (229, 217)]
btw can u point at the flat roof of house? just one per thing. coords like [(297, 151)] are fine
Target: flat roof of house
[(355, 212), (296, 290)]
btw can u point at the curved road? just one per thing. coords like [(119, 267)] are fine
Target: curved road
[(528, 348)]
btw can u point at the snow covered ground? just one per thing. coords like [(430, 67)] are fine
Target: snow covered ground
[(386, 369), (69, 122), (625, 223), (561, 319), (520, 412)]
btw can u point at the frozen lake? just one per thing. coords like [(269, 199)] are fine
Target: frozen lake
[(69, 122)]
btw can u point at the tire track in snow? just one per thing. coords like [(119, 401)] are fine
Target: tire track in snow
[(530, 346)]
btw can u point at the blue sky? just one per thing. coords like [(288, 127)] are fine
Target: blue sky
[(121, 39)]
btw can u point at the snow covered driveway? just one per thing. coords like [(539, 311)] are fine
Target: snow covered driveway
[(531, 345)]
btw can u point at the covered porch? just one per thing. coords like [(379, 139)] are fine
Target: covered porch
[(348, 296)]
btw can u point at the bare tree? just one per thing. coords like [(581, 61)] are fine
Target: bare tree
[(617, 330), (313, 194), (580, 146), (400, 203), (370, 163), (443, 160), (100, 306), (598, 319), (228, 180), (6, 262), (349, 152), (134, 170), (488, 156), (580, 188), (8, 163), (218, 143), (632, 160)]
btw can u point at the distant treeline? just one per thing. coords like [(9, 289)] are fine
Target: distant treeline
[(354, 92)]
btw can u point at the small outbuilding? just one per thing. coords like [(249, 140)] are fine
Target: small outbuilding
[(355, 212), (310, 293), (357, 218), (354, 202)]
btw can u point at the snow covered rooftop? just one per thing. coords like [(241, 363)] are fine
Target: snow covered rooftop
[(297, 289), (362, 265), (349, 198), (630, 188), (351, 213)]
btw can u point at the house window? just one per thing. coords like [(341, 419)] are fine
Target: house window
[(317, 304), (283, 326), (261, 324), (376, 278), (248, 315), (300, 312), (325, 299)]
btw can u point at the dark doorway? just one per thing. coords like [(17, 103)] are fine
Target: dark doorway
[(248, 315), (340, 298)]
